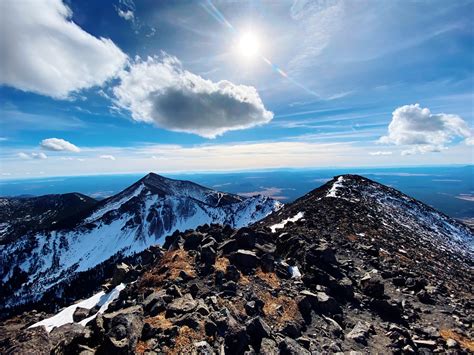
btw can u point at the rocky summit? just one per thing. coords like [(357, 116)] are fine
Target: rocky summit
[(352, 267)]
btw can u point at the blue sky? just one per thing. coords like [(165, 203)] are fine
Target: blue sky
[(133, 86)]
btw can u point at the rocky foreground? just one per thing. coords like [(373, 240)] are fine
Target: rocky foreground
[(327, 274)]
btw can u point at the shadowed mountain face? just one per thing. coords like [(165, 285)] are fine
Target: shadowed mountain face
[(120, 226), (351, 266), (22, 215)]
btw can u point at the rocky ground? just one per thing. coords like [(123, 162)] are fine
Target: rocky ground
[(334, 281)]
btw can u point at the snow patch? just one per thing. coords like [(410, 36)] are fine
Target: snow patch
[(333, 191), (101, 299), (282, 224), (294, 272)]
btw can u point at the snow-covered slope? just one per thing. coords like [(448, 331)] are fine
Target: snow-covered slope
[(129, 222)]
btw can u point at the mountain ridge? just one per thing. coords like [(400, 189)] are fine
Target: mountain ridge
[(126, 223), (346, 268)]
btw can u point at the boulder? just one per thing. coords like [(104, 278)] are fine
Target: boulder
[(80, 313), (236, 339), (208, 254), (67, 338), (290, 346), (320, 256), (192, 241), (181, 305), (154, 304), (30, 341), (123, 330), (245, 259), (268, 347), (360, 333), (257, 329), (320, 302), (232, 273), (372, 287), (120, 274)]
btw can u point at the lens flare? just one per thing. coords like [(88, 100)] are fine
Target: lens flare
[(249, 46)]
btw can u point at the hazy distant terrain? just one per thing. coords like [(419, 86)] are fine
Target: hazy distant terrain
[(449, 189)]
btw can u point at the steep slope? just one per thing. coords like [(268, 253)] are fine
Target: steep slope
[(127, 223), (359, 208), (21, 215), (347, 267)]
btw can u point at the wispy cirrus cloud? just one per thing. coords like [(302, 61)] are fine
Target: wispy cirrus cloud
[(34, 155), (107, 157)]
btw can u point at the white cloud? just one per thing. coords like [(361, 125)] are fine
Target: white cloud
[(107, 157), (28, 156), (380, 153), (126, 14), (469, 140), (159, 91), (225, 157), (428, 132), (43, 51), (58, 144)]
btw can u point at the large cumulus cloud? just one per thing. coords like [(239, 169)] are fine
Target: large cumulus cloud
[(415, 126), (160, 91), (43, 51)]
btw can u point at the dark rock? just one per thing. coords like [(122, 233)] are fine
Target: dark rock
[(154, 304), (292, 329), (190, 320), (208, 254), (306, 342), (67, 338), (425, 297), (174, 291), (181, 305), (268, 347), (257, 329), (193, 241), (320, 256), (120, 274), (194, 290), (210, 328), (245, 238), (245, 259), (229, 246), (185, 276), (148, 331), (236, 339), (320, 301), (387, 311), (360, 333), (398, 281), (232, 273), (290, 346), (80, 313), (229, 288), (372, 287), (268, 262), (30, 341), (123, 330)]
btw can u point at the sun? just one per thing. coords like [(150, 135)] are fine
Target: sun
[(248, 45)]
